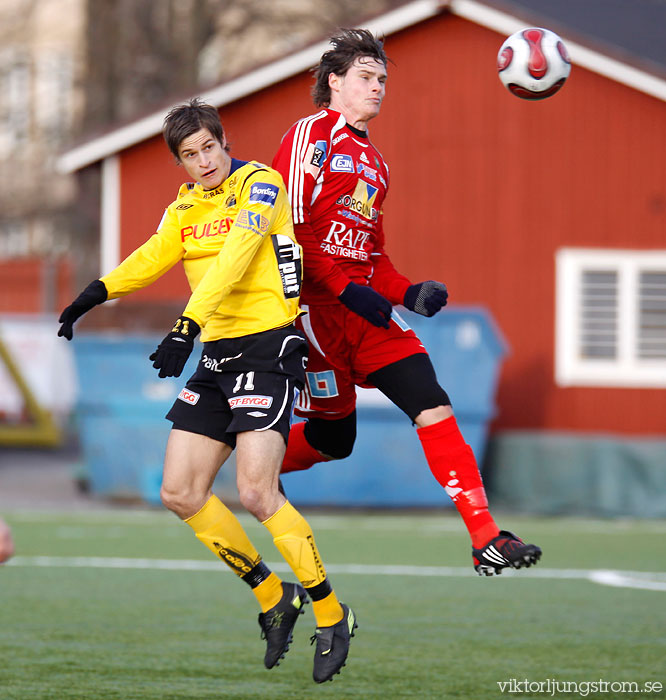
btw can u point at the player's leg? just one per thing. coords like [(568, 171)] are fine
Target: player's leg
[(190, 466), (319, 440), (198, 445), (412, 385), (327, 400), (258, 458), (262, 403)]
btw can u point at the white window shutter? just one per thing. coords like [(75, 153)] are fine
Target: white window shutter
[(611, 318)]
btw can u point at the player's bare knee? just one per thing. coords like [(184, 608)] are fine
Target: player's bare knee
[(181, 502), (430, 416), (170, 500), (255, 500)]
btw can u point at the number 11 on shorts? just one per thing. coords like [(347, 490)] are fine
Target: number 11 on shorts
[(249, 382)]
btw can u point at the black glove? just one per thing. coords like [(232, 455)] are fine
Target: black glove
[(426, 298), (172, 353), (366, 302), (95, 293)]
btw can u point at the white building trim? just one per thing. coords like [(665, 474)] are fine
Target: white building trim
[(142, 129), (115, 141), (110, 215)]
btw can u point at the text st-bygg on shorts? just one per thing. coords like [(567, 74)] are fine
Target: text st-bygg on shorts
[(243, 384)]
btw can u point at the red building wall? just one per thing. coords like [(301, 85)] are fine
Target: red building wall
[(484, 189), (34, 284)]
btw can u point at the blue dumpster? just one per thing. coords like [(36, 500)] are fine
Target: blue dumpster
[(387, 467), (120, 414), (123, 432)]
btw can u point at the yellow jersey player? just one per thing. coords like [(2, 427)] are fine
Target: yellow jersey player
[(233, 232)]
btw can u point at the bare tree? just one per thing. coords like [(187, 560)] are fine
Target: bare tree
[(142, 53)]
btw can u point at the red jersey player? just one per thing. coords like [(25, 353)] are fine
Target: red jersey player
[(337, 181)]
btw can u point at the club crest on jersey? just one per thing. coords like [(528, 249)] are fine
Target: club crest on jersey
[(263, 192), (342, 163), (322, 385)]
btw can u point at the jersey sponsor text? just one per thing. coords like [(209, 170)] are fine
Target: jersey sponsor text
[(206, 230), (188, 396), (249, 400), (263, 192)]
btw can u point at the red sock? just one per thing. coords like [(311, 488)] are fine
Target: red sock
[(300, 454), (452, 463)]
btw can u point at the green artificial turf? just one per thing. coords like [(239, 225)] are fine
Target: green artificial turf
[(78, 628)]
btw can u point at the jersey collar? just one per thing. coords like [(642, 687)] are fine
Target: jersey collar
[(353, 129), (235, 165)]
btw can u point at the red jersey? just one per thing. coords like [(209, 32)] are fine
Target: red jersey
[(337, 181)]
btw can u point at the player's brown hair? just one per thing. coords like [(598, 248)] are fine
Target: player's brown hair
[(187, 119), (349, 45)]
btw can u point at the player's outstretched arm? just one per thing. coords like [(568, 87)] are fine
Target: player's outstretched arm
[(368, 303), (426, 298), (172, 353), (95, 293)]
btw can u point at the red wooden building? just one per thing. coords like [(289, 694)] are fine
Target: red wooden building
[(551, 214)]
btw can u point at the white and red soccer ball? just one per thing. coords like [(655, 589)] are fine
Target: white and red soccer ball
[(533, 63)]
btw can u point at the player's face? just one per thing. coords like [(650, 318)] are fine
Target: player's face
[(358, 94), (204, 159)]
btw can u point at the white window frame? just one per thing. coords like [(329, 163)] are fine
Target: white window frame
[(627, 369)]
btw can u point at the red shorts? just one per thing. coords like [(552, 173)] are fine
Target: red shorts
[(344, 350)]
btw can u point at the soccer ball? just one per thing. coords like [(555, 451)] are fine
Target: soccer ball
[(533, 63)]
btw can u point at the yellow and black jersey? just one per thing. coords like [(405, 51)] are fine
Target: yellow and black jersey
[(238, 249)]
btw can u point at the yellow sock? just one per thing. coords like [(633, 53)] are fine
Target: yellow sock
[(268, 592), (327, 611), (294, 539), (218, 528)]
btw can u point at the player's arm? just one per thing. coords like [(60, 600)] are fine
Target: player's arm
[(146, 264), (425, 298), (299, 161), (253, 223)]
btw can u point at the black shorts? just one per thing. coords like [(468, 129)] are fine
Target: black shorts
[(243, 384)]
